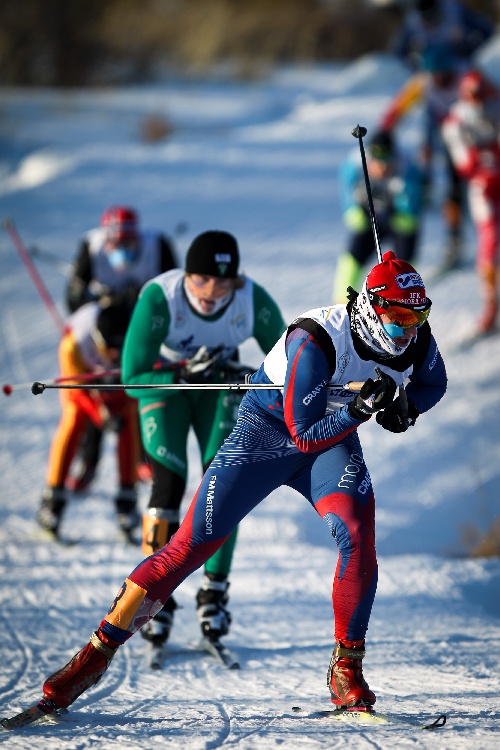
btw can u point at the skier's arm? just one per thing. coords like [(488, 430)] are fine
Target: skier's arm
[(268, 323), (407, 97), (305, 396), (77, 292), (71, 363), (428, 381), (167, 255), (148, 328), (463, 156)]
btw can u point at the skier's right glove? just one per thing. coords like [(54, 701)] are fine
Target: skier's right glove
[(374, 395), (394, 419), (201, 366)]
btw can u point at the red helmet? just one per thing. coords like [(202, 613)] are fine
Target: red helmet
[(473, 86), (121, 222)]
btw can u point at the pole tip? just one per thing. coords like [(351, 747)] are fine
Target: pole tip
[(37, 388), (359, 131), (7, 389)]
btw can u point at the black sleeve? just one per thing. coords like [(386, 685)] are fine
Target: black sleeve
[(320, 335), (422, 346), (76, 292), (167, 255)]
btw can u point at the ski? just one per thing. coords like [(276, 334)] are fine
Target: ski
[(222, 654), (44, 709), (370, 716)]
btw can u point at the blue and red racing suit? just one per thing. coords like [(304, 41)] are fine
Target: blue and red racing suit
[(302, 435)]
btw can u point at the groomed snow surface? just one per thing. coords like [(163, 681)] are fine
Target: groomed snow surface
[(259, 160)]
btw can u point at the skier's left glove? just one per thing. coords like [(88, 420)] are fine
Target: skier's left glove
[(393, 417)]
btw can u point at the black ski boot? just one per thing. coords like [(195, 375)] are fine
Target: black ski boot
[(211, 600), (126, 512), (49, 514)]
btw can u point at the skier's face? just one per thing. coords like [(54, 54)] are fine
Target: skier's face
[(407, 334), (208, 289)]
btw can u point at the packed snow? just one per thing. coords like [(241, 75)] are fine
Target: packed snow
[(259, 159)]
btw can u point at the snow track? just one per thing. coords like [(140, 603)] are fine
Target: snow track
[(266, 172)]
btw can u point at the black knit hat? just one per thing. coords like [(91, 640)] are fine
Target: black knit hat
[(112, 323), (213, 254), (381, 145)]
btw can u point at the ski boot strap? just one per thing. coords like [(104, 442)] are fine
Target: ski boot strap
[(100, 646), (341, 652)]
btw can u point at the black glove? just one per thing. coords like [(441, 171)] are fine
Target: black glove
[(394, 419), (373, 396), (201, 366), (235, 372)]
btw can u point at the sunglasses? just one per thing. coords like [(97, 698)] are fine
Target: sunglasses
[(401, 315), (200, 280)]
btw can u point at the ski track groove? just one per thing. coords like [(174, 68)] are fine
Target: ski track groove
[(225, 731), (17, 677)]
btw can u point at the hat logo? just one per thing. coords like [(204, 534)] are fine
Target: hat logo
[(222, 258), (408, 280), (222, 268)]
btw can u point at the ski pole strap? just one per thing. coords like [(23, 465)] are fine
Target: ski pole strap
[(100, 646)]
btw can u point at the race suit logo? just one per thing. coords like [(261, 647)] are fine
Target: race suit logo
[(209, 505), (307, 399)]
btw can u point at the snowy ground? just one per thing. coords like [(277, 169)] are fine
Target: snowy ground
[(259, 160)]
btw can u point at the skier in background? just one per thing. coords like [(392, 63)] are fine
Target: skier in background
[(198, 316), (113, 262), (301, 432), (92, 343), (472, 134), (435, 88), (447, 22), (397, 190)]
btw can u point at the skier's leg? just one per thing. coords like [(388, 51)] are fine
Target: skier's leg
[(128, 449), (237, 480), (165, 427), (342, 494), (214, 418), (88, 459), (349, 267), (62, 451), (485, 211)]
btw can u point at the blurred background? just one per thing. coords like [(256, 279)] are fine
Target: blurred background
[(110, 42)]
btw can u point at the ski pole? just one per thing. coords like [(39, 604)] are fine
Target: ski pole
[(359, 132), (8, 389), (11, 230), (60, 264), (38, 388)]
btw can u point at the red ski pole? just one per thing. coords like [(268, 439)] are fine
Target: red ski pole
[(11, 230)]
